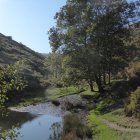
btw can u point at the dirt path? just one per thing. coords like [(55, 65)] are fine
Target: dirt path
[(117, 127)]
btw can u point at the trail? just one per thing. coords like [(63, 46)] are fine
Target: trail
[(120, 128)]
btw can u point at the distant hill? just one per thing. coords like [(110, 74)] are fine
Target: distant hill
[(31, 62), (45, 54)]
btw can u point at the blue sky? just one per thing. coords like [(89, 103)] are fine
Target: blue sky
[(28, 21)]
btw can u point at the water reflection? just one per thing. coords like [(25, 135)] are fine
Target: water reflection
[(13, 118), (39, 128), (72, 128), (31, 126)]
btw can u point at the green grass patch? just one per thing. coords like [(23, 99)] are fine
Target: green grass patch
[(88, 92), (103, 105), (103, 132), (32, 98), (89, 95), (54, 93)]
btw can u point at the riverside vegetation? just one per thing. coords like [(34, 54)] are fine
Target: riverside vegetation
[(96, 43), (95, 55)]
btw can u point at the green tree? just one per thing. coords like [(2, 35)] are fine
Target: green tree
[(93, 35), (75, 39), (53, 65), (10, 83)]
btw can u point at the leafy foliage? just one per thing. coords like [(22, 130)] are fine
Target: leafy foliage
[(73, 128), (53, 64), (133, 105), (92, 36), (9, 135), (31, 63), (10, 82)]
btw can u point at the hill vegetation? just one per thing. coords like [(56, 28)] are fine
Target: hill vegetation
[(96, 54), (96, 44), (30, 64)]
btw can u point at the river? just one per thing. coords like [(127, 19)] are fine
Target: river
[(34, 122), (41, 121)]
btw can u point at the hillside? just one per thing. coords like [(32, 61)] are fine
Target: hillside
[(31, 63)]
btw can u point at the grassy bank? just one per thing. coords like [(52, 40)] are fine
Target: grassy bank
[(29, 98), (102, 131), (54, 93), (39, 96), (109, 122), (119, 117)]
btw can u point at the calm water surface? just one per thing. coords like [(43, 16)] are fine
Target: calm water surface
[(31, 126), (38, 128)]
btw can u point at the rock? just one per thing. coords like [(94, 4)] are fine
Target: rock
[(56, 102), (67, 113), (94, 104), (84, 103), (72, 101), (87, 96)]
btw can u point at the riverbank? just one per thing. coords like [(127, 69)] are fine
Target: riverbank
[(40, 109), (105, 129), (35, 97), (113, 123), (71, 108), (72, 103)]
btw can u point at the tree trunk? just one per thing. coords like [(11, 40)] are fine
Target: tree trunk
[(109, 76), (91, 85), (99, 84), (104, 76)]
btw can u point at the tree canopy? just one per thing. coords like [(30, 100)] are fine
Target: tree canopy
[(93, 34)]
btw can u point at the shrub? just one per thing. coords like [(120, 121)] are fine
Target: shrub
[(120, 89), (103, 105), (10, 83), (74, 127), (70, 136), (133, 105), (133, 69), (118, 84), (134, 82)]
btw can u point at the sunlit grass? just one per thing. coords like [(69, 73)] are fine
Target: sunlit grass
[(88, 92), (103, 132), (48, 95), (119, 117), (54, 93)]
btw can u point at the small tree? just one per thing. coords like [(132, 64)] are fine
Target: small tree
[(10, 82)]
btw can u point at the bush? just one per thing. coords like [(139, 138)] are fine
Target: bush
[(133, 105), (74, 127), (120, 89), (10, 83), (134, 82), (118, 84), (103, 105)]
